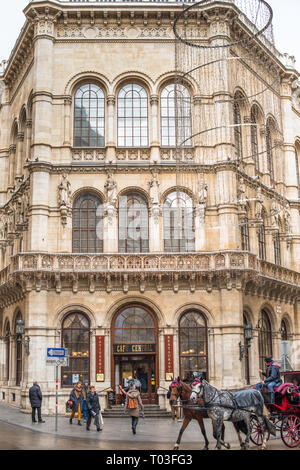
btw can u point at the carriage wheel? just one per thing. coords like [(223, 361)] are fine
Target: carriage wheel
[(257, 435), (290, 430)]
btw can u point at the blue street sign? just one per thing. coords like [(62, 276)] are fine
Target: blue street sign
[(57, 352)]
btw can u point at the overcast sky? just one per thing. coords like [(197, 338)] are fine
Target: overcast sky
[(286, 26)]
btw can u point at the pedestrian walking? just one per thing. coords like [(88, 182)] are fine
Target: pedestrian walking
[(36, 398), (93, 408), (133, 404), (76, 398), (85, 391)]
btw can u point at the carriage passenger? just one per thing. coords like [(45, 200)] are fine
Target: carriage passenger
[(272, 375)]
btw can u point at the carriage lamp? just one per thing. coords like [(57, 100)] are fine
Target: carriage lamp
[(248, 329), (20, 330)]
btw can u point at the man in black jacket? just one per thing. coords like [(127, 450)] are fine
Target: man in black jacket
[(94, 408), (35, 397)]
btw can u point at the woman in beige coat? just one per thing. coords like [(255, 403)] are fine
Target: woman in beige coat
[(133, 404)]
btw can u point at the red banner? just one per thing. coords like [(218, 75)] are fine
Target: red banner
[(100, 368), (169, 357)]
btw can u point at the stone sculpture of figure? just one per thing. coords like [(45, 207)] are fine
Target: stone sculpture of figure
[(64, 192), (202, 192), (2, 226), (154, 190), (111, 190), (258, 204), (274, 215), (287, 218)]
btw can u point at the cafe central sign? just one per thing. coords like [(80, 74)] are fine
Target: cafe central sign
[(134, 348)]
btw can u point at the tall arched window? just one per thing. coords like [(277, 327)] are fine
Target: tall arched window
[(262, 239), (89, 116), (264, 338), (176, 121), (297, 156), (193, 344), (132, 116), (179, 232), (245, 234), (246, 343), (237, 120), (88, 224), (254, 136), (284, 331), (277, 250), (134, 325), (19, 353), (270, 129), (7, 351), (76, 338), (133, 223)]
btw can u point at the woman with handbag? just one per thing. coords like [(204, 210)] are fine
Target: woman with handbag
[(133, 404), (76, 397)]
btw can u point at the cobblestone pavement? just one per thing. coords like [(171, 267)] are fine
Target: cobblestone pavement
[(17, 432)]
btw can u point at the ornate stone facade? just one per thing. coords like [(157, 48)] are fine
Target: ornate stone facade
[(43, 173)]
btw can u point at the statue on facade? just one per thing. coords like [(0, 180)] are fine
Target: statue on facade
[(274, 215), (111, 190), (287, 219), (154, 193), (64, 192), (258, 203), (201, 200)]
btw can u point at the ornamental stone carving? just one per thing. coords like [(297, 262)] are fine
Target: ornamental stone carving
[(154, 192), (111, 191), (64, 198)]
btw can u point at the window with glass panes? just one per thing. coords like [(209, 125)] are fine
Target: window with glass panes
[(76, 338), (254, 136), (193, 344), (284, 331), (175, 123), (134, 325), (133, 223), (277, 250), (132, 116), (7, 351), (270, 128), (262, 242), (245, 234), (89, 117), (179, 231), (237, 120), (19, 355), (264, 338), (88, 224)]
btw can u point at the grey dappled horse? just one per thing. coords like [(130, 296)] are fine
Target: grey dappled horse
[(222, 406)]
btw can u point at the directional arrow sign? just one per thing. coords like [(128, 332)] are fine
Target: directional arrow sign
[(56, 361), (57, 352)]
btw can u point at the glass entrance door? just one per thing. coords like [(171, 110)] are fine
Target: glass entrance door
[(144, 369)]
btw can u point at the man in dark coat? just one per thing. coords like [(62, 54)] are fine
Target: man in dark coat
[(93, 405), (272, 375), (35, 397)]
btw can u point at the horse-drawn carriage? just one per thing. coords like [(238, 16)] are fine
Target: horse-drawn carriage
[(284, 409)]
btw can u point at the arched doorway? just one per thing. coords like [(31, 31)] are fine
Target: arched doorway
[(135, 350), (264, 338)]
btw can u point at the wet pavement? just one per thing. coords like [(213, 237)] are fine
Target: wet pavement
[(18, 433)]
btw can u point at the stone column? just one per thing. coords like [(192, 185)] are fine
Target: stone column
[(247, 148), (111, 138), (67, 120), (200, 233), (12, 163), (43, 87), (154, 129), (110, 230), (38, 235)]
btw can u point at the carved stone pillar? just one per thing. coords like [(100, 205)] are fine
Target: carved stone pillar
[(67, 119), (154, 129), (111, 138)]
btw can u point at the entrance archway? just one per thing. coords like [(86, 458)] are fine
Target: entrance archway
[(135, 350)]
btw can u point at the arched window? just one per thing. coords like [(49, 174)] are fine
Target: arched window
[(176, 121), (245, 234), (89, 116), (284, 331), (277, 249), (133, 223), (76, 338), (132, 116), (193, 344), (237, 120), (254, 136), (7, 350), (262, 239), (134, 325), (270, 129), (264, 338), (19, 353), (247, 342), (179, 232), (88, 224), (297, 153)]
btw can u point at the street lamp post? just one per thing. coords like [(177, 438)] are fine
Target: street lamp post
[(248, 337), (20, 330)]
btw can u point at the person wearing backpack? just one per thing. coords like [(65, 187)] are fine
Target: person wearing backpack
[(133, 404)]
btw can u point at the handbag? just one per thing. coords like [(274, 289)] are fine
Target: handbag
[(70, 403)]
